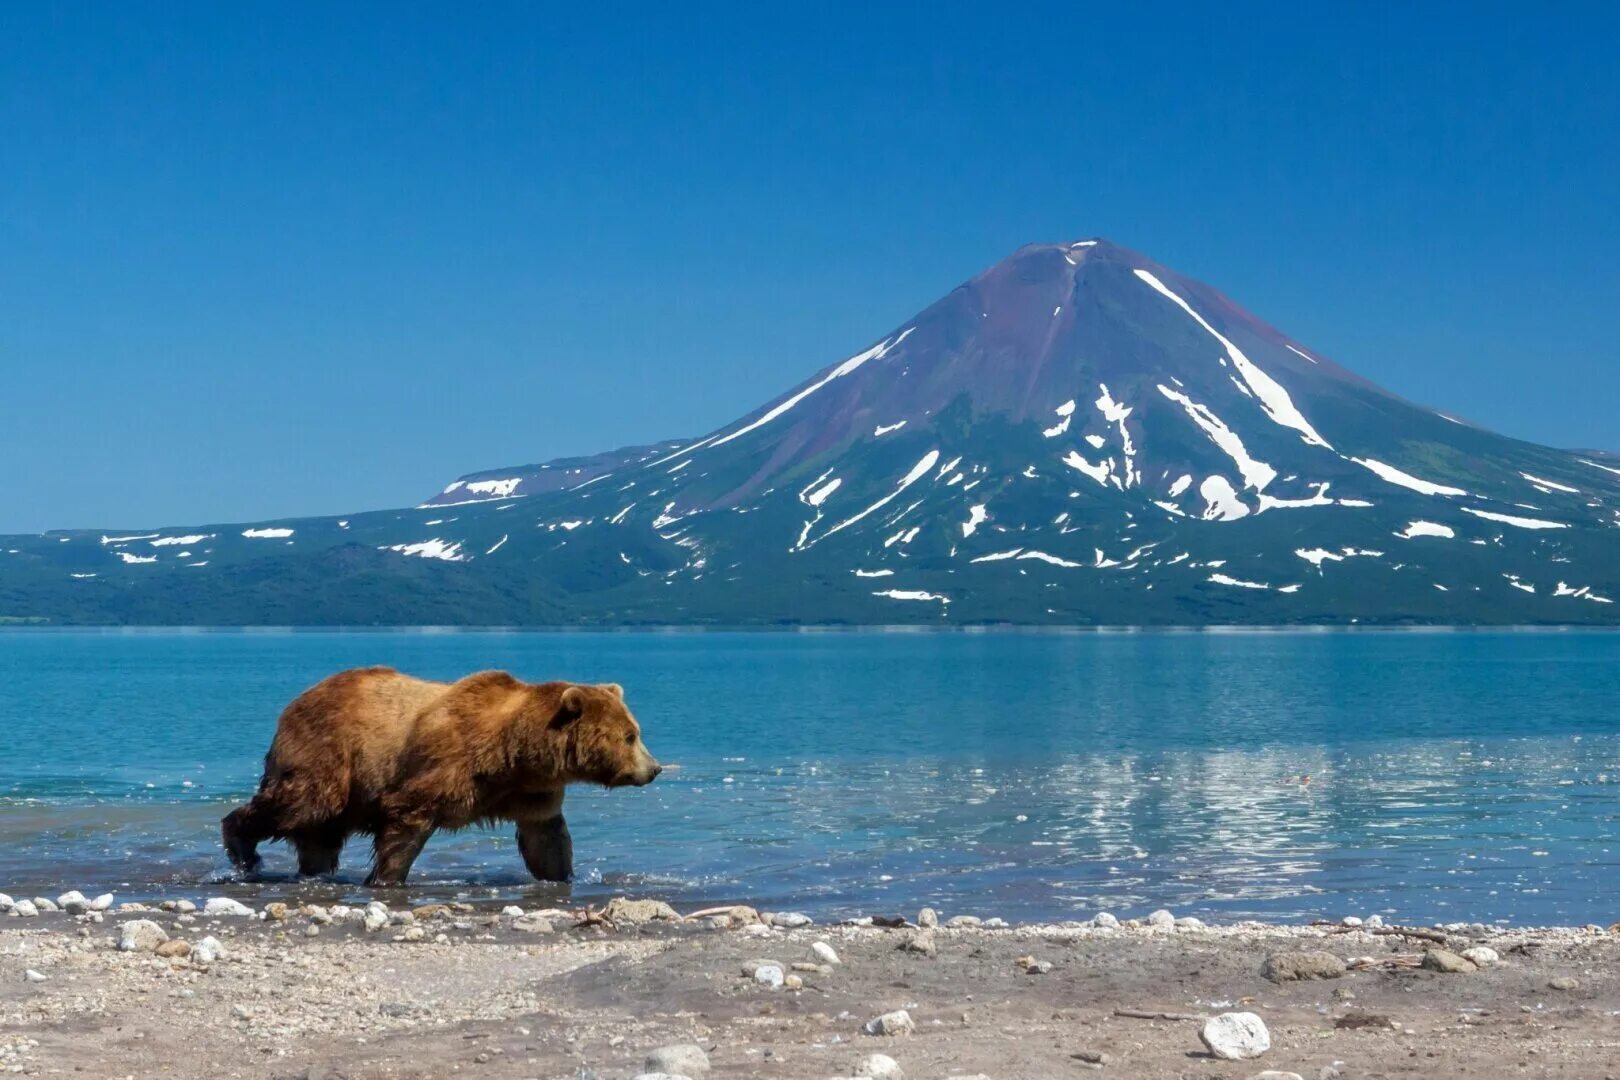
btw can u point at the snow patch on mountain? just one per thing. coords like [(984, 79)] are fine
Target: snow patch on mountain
[(1555, 485), (431, 549), (1406, 479), (1509, 519), (1256, 474), (1273, 398), (876, 352), (1415, 529), (1221, 502)]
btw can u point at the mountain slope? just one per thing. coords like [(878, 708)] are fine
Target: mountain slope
[(1076, 436)]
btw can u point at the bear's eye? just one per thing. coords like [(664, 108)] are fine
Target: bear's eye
[(630, 739)]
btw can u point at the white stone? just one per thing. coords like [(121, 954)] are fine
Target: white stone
[(1351, 920), (1236, 1036), (105, 901), (1483, 955), (207, 950), (927, 918), (680, 1059), (824, 953), (24, 909), (994, 924), (1106, 920), (224, 905), (140, 935), (898, 1022), (790, 920), (963, 922), (375, 916), (512, 911), (44, 903), (73, 902), (35, 976), (1162, 919), (880, 1067), (1374, 921), (769, 975), (1187, 922)]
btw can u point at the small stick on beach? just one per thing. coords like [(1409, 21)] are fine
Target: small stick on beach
[(1148, 1014)]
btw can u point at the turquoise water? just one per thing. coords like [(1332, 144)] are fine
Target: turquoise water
[(1453, 776)]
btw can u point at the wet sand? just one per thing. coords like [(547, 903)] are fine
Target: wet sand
[(447, 990)]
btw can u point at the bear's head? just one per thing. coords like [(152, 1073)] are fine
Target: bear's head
[(603, 740)]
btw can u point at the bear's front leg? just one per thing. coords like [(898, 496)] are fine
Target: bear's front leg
[(548, 850), (398, 845)]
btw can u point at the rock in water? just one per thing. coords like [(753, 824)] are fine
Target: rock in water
[(681, 1059), (1235, 1036), (636, 912), (1448, 962), (898, 1022), (880, 1067), (1302, 965), (141, 935), (224, 905)]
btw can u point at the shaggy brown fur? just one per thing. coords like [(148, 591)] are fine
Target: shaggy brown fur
[(378, 752)]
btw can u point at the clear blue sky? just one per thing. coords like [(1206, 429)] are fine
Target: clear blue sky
[(296, 260)]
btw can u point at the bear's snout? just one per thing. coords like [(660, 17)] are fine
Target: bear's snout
[(644, 772)]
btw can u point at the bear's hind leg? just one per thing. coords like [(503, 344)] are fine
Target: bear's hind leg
[(318, 849), (243, 828), (547, 848)]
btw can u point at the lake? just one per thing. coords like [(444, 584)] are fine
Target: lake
[(1470, 776)]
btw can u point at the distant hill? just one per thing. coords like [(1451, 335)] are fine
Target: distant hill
[(1076, 436)]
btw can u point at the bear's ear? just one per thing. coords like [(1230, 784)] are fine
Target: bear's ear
[(615, 689), (569, 707)]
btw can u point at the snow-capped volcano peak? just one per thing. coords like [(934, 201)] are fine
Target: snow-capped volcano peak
[(1076, 434)]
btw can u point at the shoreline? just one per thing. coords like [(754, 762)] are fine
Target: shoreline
[(384, 990)]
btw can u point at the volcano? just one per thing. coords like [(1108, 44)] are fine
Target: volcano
[(1076, 436)]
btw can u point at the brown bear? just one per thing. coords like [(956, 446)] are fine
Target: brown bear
[(377, 752)]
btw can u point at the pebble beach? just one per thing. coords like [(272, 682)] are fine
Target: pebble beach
[(210, 986)]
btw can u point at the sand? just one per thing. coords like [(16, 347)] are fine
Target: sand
[(463, 990)]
